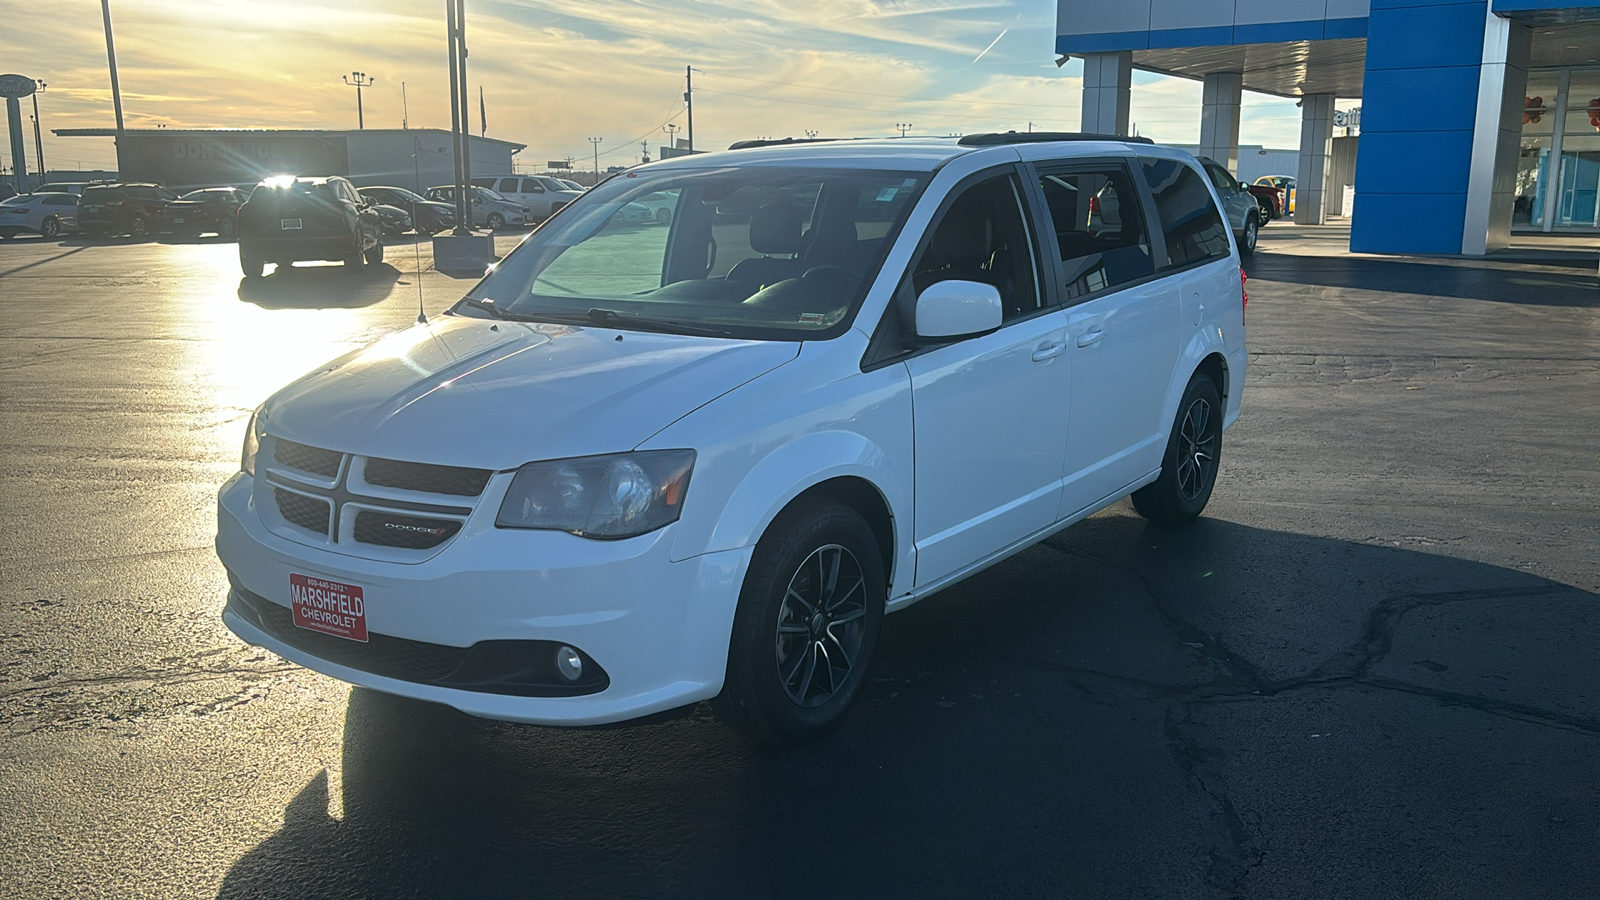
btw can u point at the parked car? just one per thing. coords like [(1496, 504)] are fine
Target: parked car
[(50, 214), (626, 473), (541, 194), (206, 211), (75, 188), (1243, 212), (288, 220), (660, 205), (488, 209), (135, 208), (571, 185), (1269, 199), (427, 216), (1284, 183), (395, 221)]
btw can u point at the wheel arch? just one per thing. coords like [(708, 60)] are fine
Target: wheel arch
[(864, 497), (1215, 365)]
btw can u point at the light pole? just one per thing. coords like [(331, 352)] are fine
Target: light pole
[(111, 57), (596, 143), (38, 142), (903, 128), (670, 129), (811, 133), (359, 80)]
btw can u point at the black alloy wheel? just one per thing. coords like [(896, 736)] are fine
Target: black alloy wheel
[(808, 621), (137, 226), (226, 227), (1252, 232), (1189, 466)]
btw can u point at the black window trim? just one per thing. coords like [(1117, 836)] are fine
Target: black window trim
[(885, 347), (1221, 213), (1145, 204)]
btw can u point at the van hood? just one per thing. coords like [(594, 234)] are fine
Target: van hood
[(495, 394)]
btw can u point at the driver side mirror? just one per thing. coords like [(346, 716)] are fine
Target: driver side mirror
[(958, 309)]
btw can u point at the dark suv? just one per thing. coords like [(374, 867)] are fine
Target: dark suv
[(134, 208), (287, 220)]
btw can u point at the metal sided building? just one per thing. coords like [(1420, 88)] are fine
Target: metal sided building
[(1480, 118), (416, 158)]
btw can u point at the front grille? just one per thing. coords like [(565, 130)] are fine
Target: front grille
[(428, 478), (307, 512), (410, 532), (307, 459)]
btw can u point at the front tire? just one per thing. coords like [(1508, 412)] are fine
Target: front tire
[(357, 258), (375, 255), (50, 227), (1189, 465), (663, 216), (226, 227), (138, 226), (808, 621), (496, 221)]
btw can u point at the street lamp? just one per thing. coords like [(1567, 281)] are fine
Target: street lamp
[(38, 142), (596, 143), (903, 128), (812, 133), (359, 80)]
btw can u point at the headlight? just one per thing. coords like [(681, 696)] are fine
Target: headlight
[(252, 441), (605, 497)]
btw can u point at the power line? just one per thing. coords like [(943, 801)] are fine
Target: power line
[(810, 87), (836, 106)]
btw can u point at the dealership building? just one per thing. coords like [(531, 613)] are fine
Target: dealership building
[(415, 158), (1480, 119)]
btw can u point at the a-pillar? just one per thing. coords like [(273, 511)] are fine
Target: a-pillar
[(1312, 200), (1107, 79), (1219, 118)]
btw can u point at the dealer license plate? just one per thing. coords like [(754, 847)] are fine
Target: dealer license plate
[(177, 220), (289, 224), (93, 208), (327, 606)]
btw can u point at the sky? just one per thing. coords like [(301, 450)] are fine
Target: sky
[(555, 74)]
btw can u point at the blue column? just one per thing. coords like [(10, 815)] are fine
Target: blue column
[(1418, 117)]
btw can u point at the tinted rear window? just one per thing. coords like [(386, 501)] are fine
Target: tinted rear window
[(98, 194), (1194, 228)]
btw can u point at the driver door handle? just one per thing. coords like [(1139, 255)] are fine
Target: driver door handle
[(1090, 337), (1049, 351)]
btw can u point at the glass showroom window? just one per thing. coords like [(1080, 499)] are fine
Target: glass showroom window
[(1558, 171)]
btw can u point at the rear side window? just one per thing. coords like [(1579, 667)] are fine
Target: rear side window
[(1193, 227), (1098, 229)]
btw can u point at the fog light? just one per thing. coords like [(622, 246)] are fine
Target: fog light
[(569, 663)]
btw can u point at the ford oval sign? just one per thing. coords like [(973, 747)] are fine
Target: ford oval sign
[(15, 86)]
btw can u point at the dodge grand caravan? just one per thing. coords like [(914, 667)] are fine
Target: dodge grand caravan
[(633, 469)]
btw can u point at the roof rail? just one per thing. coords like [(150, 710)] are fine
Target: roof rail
[(770, 142), (1041, 137)]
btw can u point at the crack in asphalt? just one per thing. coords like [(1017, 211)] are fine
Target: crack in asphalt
[(1237, 852), (163, 676)]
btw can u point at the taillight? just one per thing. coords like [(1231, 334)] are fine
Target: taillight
[(1242, 292)]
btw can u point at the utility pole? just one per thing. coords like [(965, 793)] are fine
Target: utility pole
[(688, 98), (903, 128), (644, 147), (111, 56), (38, 143), (405, 109), (466, 114), (359, 80), (596, 143)]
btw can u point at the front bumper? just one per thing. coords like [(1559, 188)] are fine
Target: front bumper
[(658, 629)]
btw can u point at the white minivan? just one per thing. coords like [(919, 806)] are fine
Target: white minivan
[(637, 468)]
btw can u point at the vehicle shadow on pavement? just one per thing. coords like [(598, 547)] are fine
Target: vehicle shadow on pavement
[(1123, 711), (1502, 282), (320, 287)]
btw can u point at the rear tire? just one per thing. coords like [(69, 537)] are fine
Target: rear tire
[(1189, 465), (252, 264), (7, 234), (226, 227), (357, 258), (809, 616), (1252, 232)]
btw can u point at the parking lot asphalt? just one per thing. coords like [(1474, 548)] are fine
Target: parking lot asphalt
[(1370, 670)]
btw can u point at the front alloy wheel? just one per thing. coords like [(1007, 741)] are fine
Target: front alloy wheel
[(1252, 231), (138, 227), (808, 619), (821, 623), (50, 227)]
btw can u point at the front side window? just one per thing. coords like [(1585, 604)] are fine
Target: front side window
[(759, 252), (982, 237), (1192, 225), (1099, 232), (508, 185), (532, 186)]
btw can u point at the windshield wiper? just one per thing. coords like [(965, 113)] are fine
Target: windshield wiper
[(487, 306), (610, 318)]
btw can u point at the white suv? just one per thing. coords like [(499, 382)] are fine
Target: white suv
[(636, 468)]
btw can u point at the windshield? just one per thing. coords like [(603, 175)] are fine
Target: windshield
[(487, 194), (405, 195), (759, 252)]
